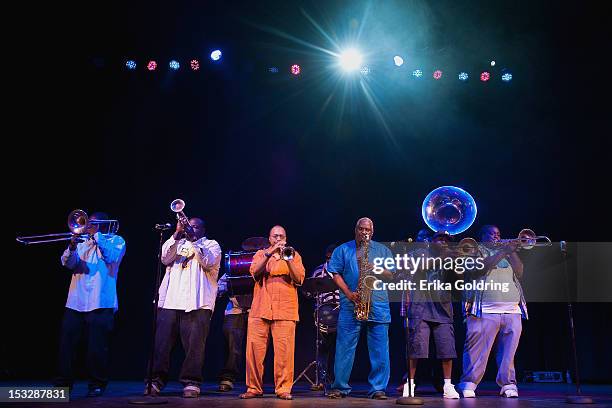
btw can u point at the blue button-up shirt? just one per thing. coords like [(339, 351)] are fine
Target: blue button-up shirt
[(344, 263)]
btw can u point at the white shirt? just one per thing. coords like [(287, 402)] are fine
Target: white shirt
[(95, 265), (194, 285)]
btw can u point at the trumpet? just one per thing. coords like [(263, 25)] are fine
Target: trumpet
[(177, 206), (79, 225), (287, 253), (527, 239)]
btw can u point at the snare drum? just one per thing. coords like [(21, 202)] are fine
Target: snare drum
[(328, 317), (237, 263)]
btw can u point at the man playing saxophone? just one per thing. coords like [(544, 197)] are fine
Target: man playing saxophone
[(360, 306)]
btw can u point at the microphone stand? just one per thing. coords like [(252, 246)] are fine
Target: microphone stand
[(149, 399), (578, 398)]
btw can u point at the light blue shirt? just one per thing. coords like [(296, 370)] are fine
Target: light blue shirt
[(344, 262)]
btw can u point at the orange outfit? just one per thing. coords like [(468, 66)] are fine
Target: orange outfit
[(275, 309)]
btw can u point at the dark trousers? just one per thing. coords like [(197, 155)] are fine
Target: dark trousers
[(234, 331), (327, 351), (98, 324), (193, 329)]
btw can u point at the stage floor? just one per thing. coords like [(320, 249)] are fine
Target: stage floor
[(119, 393)]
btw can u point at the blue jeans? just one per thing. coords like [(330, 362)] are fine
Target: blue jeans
[(378, 348)]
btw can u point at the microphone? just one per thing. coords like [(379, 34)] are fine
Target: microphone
[(563, 245), (163, 227)]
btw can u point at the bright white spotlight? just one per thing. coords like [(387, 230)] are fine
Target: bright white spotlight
[(350, 60), (215, 55), (398, 61)]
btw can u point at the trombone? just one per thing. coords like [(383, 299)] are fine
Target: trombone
[(79, 225), (527, 239)]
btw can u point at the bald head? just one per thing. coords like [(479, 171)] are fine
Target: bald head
[(277, 234)]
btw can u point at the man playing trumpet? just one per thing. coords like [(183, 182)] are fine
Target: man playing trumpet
[(277, 271), (187, 297)]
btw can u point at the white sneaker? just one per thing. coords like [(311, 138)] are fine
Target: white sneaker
[(469, 394), (408, 390), (510, 393), (450, 392)]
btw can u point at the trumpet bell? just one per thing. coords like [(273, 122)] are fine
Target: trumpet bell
[(288, 253), (450, 209), (177, 205)]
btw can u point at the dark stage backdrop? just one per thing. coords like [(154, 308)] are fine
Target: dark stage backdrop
[(246, 149)]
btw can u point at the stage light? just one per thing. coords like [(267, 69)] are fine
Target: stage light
[(174, 65), (350, 60), (417, 73), (296, 69), (485, 76), (507, 77), (398, 61), (152, 65), (493, 63), (273, 70), (437, 74), (365, 70), (215, 55), (463, 76), (130, 64), (195, 64)]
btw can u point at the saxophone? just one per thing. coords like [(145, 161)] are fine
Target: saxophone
[(365, 284)]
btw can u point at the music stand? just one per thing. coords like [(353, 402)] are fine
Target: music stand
[(316, 286)]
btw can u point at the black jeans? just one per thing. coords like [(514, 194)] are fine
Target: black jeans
[(234, 331), (193, 329), (327, 352), (99, 325)]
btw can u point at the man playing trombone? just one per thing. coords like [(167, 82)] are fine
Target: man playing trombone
[(92, 301), (187, 297), (278, 271), (494, 318)]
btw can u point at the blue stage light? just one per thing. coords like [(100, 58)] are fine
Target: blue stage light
[(215, 55), (507, 77), (463, 76), (417, 73), (398, 61), (130, 64), (350, 60), (174, 65), (273, 70)]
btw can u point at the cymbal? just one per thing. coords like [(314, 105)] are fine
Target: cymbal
[(319, 285), (254, 243)]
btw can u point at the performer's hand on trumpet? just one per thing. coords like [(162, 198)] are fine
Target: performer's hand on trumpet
[(180, 230)]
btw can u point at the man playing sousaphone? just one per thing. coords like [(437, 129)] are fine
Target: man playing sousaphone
[(277, 270)]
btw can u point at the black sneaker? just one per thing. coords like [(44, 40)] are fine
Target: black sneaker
[(335, 394), (225, 386), (379, 395)]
